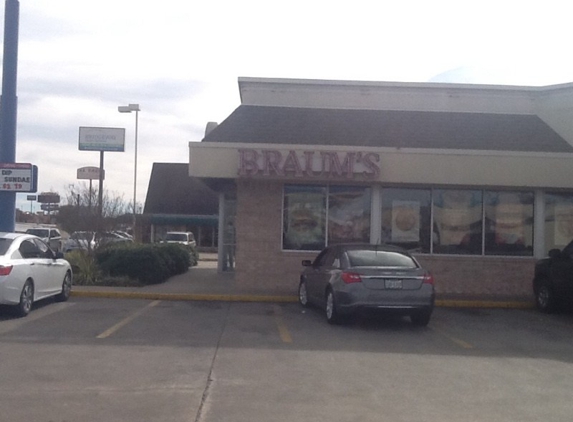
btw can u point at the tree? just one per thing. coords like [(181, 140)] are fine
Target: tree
[(80, 209)]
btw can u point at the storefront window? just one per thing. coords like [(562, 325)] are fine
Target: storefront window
[(558, 220), (509, 223), (348, 214), (457, 221), (304, 218), (406, 218)]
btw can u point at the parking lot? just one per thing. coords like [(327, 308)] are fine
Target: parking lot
[(93, 359)]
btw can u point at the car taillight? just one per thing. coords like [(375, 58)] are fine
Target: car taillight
[(348, 277), (5, 270), (428, 279)]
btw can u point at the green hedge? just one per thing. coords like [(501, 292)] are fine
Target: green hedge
[(150, 264)]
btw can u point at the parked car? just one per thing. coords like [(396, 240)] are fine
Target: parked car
[(87, 240), (31, 271), (184, 238), (49, 235), (79, 240), (123, 234), (344, 279), (553, 280), (108, 238)]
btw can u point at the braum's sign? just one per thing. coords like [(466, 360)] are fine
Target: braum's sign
[(102, 139), (309, 164)]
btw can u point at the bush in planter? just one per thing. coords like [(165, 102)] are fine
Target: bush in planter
[(176, 256), (150, 264), (84, 267)]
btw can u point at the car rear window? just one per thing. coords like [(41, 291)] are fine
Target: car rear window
[(371, 258), (4, 245), (38, 232), (180, 237)]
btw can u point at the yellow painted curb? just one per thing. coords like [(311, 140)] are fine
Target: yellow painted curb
[(483, 304), (443, 303)]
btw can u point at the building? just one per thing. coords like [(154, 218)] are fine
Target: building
[(477, 180), (177, 202)]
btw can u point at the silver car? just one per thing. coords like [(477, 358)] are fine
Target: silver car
[(344, 279)]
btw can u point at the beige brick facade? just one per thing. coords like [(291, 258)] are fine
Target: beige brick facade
[(261, 265)]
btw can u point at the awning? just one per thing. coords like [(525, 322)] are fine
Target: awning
[(196, 220)]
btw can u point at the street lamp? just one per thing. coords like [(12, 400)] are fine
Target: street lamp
[(128, 109)]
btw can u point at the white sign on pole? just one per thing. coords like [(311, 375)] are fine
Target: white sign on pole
[(16, 177), (89, 173), (102, 139)]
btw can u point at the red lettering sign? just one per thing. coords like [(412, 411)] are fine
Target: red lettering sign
[(298, 164)]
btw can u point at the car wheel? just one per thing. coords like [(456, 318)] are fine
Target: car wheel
[(66, 288), (26, 299), (331, 310), (302, 294), (421, 318), (544, 298)]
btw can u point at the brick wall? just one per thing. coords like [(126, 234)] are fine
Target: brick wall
[(262, 266)]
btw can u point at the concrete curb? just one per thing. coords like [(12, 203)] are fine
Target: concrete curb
[(443, 303), (186, 296)]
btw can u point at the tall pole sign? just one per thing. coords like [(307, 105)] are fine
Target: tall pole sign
[(8, 109), (101, 139)]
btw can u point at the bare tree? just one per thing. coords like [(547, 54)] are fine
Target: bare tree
[(80, 209)]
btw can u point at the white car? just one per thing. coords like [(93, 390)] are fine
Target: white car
[(31, 271), (49, 235), (183, 238)]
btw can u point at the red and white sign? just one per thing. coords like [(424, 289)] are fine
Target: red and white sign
[(308, 164), (16, 177)]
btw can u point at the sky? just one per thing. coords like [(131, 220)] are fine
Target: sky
[(180, 60)]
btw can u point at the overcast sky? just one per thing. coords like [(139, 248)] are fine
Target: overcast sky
[(180, 60)]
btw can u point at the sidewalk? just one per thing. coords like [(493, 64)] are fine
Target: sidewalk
[(204, 283)]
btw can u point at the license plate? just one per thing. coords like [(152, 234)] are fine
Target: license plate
[(393, 284)]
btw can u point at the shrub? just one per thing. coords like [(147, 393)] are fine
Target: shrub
[(84, 267), (150, 264)]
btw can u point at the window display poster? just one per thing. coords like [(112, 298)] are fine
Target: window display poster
[(348, 215), (509, 227), (405, 221), (563, 223), (455, 213), (304, 225)]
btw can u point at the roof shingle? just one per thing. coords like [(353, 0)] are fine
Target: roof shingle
[(389, 128)]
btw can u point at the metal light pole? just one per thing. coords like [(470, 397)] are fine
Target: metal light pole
[(128, 109), (9, 108)]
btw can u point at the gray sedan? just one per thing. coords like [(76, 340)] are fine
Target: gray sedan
[(346, 278)]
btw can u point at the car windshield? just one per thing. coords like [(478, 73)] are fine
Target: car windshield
[(180, 237), (38, 232), (373, 258), (4, 245)]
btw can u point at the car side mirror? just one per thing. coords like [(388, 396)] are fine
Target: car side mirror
[(306, 263), (555, 253)]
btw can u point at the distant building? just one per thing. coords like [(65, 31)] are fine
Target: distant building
[(177, 202)]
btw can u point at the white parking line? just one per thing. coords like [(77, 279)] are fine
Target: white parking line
[(36, 314), (127, 320)]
